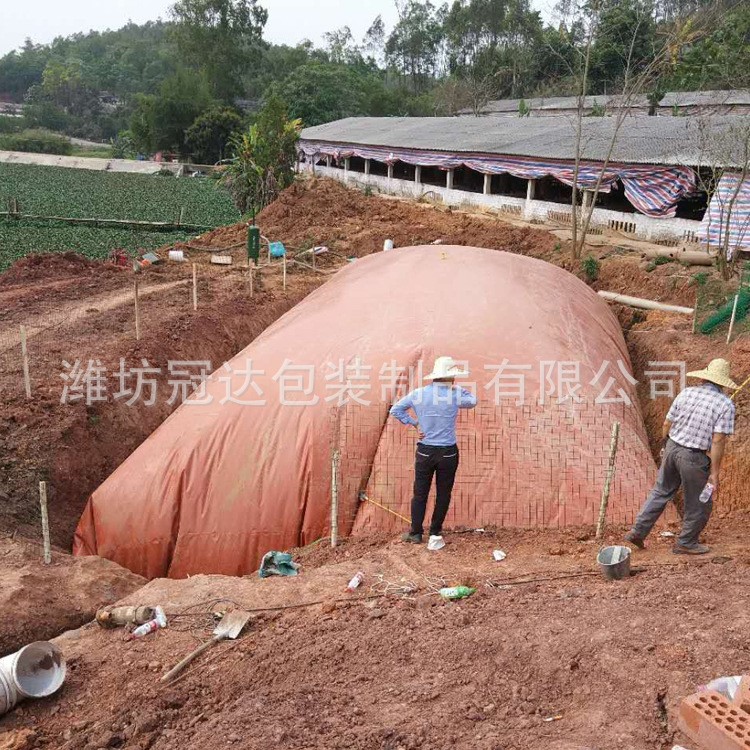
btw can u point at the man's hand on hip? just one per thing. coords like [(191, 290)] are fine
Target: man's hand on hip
[(420, 434)]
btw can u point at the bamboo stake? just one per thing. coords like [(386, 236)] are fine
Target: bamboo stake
[(283, 270), (181, 216), (608, 480), (137, 310), (734, 315), (335, 497), (25, 356), (195, 287), (45, 522), (250, 274)]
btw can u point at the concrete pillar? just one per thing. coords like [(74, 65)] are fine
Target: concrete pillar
[(346, 167), (367, 167), (418, 174), (313, 159), (328, 161), (530, 190), (390, 171), (449, 179), (488, 184), (588, 198)]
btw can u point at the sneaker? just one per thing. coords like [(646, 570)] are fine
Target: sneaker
[(693, 549), (407, 536), (634, 540), (435, 543)]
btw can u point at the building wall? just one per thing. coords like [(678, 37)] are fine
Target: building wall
[(634, 224)]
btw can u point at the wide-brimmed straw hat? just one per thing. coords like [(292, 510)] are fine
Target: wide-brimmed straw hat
[(445, 367), (716, 372)]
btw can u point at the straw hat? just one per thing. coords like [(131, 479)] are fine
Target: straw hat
[(445, 367), (716, 372)]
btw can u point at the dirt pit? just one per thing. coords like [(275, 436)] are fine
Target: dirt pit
[(551, 657)]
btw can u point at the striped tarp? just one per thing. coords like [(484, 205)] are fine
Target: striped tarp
[(652, 190), (727, 219)]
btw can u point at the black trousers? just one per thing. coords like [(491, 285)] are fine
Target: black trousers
[(442, 461)]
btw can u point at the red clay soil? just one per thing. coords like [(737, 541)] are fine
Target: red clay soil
[(75, 448), (571, 663), (40, 601)]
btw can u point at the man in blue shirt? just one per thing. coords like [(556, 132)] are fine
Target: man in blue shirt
[(436, 407)]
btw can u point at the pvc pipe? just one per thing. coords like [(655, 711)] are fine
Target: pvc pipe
[(693, 257), (645, 304), (35, 671)]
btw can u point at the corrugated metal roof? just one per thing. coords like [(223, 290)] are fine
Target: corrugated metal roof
[(640, 140), (552, 103), (705, 98)]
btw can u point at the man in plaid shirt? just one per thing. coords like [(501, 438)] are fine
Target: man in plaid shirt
[(694, 434)]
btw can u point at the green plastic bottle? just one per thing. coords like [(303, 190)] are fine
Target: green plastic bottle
[(456, 592)]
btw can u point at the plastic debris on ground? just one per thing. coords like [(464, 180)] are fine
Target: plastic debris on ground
[(727, 686), (667, 534), (356, 581), (277, 564), (435, 543), (159, 621), (552, 718), (499, 555), (456, 592)]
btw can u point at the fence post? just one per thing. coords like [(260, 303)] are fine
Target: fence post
[(45, 522), (335, 459), (25, 356), (195, 287), (137, 310), (608, 480), (734, 315), (250, 274)]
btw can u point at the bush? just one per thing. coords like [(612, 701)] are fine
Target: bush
[(36, 142), (11, 124), (590, 267)]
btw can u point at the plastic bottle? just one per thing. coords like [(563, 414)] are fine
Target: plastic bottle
[(145, 629), (707, 493), (456, 592), (356, 581), (160, 617)]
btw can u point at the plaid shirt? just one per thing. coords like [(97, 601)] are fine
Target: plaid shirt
[(697, 413)]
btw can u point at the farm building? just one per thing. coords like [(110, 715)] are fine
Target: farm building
[(672, 103), (659, 176)]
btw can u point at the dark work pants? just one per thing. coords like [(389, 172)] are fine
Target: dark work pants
[(680, 466), (442, 461)]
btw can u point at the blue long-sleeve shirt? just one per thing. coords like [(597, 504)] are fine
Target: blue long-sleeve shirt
[(436, 407)]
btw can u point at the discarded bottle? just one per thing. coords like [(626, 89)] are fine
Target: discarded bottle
[(356, 582), (160, 617), (456, 592), (708, 491), (145, 629), (115, 617)]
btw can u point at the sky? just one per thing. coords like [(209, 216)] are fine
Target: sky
[(289, 21)]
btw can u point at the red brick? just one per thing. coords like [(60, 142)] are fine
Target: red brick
[(714, 723)]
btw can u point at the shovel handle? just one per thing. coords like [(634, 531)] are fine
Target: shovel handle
[(177, 668)]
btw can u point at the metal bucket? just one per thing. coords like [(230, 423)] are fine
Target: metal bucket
[(35, 671), (614, 562)]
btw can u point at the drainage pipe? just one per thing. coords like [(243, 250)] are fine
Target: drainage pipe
[(35, 671), (644, 304)]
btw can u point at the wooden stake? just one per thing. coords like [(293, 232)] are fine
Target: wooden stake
[(195, 287), (45, 522), (250, 274), (182, 216), (137, 310), (25, 356), (608, 480), (283, 270), (734, 315), (335, 459)]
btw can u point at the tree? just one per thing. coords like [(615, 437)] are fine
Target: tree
[(209, 135), (373, 43), (341, 47), (322, 92), (221, 38), (159, 122), (264, 158), (414, 43)]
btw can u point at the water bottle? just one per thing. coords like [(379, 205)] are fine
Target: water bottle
[(145, 629), (356, 581), (456, 592), (708, 491)]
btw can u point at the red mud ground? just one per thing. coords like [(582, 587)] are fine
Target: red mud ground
[(612, 659)]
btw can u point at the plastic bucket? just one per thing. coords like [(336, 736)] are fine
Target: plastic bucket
[(277, 249), (614, 562), (36, 671)]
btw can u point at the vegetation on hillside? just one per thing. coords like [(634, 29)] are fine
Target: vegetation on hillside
[(151, 85)]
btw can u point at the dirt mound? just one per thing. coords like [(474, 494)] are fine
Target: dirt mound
[(44, 266), (40, 601), (527, 666)]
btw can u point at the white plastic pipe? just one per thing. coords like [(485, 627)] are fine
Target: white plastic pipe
[(645, 304), (35, 671)]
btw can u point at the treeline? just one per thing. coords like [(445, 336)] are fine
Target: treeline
[(186, 85)]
